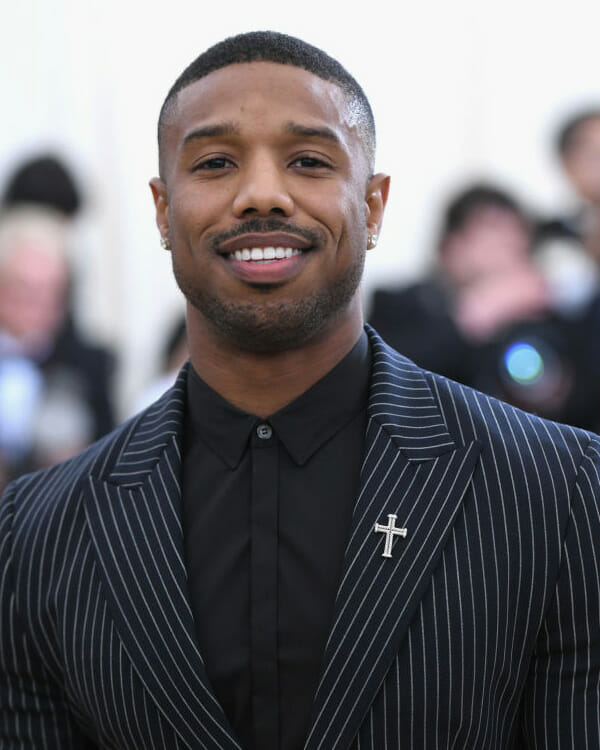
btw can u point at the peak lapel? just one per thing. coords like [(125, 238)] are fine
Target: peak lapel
[(414, 470), (134, 517)]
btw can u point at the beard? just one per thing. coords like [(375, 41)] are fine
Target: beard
[(266, 326)]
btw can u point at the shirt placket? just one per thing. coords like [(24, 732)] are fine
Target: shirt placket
[(263, 586)]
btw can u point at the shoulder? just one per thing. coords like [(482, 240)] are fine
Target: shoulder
[(52, 490), (504, 430), (469, 415), (40, 494)]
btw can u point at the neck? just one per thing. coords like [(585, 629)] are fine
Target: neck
[(263, 383)]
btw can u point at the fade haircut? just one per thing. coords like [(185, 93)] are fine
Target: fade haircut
[(272, 46), (567, 135)]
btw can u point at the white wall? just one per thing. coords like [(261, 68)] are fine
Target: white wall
[(460, 89)]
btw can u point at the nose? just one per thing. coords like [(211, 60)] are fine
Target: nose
[(262, 190)]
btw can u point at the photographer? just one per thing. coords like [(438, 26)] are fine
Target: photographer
[(485, 315)]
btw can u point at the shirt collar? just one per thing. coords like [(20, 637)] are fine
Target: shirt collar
[(303, 426)]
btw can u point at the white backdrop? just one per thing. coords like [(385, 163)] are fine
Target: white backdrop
[(460, 90)]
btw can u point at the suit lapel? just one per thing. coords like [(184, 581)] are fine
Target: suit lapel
[(413, 469), (134, 517)]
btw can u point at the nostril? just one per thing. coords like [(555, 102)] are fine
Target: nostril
[(277, 210)]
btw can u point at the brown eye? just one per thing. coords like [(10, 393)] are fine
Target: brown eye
[(309, 162), (218, 162)]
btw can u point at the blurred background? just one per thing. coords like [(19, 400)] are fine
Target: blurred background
[(464, 93)]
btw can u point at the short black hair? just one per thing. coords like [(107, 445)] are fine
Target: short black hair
[(46, 181), (272, 46), (474, 199), (567, 134)]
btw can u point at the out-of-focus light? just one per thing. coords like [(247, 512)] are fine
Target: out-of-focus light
[(524, 363)]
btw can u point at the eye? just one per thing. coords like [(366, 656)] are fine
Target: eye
[(214, 163), (310, 162)]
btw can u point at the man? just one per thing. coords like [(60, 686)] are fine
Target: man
[(219, 573)]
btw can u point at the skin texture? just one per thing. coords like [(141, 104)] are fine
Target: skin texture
[(267, 155)]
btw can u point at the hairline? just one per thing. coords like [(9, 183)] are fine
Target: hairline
[(170, 104)]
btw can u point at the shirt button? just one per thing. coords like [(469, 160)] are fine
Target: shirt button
[(264, 431)]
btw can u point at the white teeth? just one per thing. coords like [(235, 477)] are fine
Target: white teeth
[(264, 253)]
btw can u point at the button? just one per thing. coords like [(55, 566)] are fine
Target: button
[(264, 431)]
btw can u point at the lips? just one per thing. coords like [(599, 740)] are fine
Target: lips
[(269, 243), (265, 259)]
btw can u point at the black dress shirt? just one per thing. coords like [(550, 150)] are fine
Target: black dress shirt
[(267, 507)]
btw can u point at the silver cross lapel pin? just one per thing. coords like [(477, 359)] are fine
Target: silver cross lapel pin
[(390, 531)]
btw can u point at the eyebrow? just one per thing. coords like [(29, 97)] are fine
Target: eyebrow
[(212, 131), (303, 131)]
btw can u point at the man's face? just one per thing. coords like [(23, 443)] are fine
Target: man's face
[(582, 161), (267, 200)]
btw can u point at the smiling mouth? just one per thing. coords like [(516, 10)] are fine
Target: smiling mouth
[(264, 254)]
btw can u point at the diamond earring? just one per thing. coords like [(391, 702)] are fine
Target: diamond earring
[(372, 241)]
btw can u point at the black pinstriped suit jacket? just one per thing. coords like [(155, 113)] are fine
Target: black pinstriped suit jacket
[(481, 631)]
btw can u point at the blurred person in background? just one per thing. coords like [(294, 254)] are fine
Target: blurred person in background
[(578, 146), (44, 181), (55, 385), (485, 315), (568, 245)]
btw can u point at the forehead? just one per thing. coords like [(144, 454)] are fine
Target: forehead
[(257, 94)]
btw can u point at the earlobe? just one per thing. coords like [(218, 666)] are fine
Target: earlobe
[(161, 204), (375, 201)]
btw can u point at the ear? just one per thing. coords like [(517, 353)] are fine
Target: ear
[(375, 200), (161, 203)]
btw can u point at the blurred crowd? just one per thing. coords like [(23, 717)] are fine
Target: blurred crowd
[(55, 384), (510, 306)]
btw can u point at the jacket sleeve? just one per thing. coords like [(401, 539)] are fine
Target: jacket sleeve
[(561, 703), (34, 711)]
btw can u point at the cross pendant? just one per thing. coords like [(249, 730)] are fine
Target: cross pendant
[(390, 531)]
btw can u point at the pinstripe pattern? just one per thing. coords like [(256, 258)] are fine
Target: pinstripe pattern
[(482, 631)]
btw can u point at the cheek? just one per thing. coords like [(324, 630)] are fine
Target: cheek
[(342, 211), (192, 211), (354, 219)]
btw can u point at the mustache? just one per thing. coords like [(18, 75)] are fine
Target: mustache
[(261, 226)]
